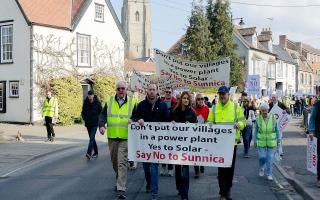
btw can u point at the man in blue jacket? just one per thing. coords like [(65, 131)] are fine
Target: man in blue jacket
[(151, 109), (314, 131)]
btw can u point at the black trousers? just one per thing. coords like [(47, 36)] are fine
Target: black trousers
[(225, 176), (318, 162), (50, 131)]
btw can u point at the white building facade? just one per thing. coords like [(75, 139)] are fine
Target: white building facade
[(55, 44)]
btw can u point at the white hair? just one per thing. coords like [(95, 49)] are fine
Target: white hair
[(274, 95), (264, 106), (121, 82)]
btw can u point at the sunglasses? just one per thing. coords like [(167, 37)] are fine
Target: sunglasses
[(168, 92), (121, 88), (199, 99)]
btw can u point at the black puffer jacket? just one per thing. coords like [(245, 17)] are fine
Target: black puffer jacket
[(182, 116), (91, 111)]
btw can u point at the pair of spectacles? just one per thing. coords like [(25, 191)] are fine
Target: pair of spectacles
[(121, 88), (200, 99), (168, 92)]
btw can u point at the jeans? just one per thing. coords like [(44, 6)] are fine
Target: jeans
[(170, 166), (225, 176), (49, 126), (151, 173), (247, 137), (182, 180), (92, 141), (266, 155)]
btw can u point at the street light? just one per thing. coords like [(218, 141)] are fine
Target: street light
[(241, 22)]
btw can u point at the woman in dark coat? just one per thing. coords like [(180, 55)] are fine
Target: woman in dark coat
[(183, 113)]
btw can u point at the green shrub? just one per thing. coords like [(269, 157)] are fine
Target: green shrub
[(68, 92), (103, 87)]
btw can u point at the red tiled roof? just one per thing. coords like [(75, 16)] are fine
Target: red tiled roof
[(56, 13), (139, 66)]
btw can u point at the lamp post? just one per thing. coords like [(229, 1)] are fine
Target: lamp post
[(241, 22)]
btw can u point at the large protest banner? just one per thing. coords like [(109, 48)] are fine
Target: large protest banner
[(196, 74), (140, 82), (253, 85), (312, 155), (182, 143)]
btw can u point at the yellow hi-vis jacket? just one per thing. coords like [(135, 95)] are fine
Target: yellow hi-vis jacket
[(230, 113), (50, 108), (266, 134), (118, 117)]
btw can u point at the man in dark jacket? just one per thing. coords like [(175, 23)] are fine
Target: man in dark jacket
[(152, 109), (90, 113), (314, 130)]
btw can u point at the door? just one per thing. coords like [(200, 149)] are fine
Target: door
[(2, 96)]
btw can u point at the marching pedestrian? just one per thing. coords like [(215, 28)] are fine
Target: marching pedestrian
[(50, 114), (224, 112), (202, 112), (171, 101), (207, 102), (116, 114), (266, 139), (183, 113), (151, 109), (248, 112), (91, 110), (314, 131)]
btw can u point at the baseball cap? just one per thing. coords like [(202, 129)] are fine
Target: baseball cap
[(223, 89)]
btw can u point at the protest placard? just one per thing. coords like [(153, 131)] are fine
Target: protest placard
[(253, 85), (312, 155), (196, 74), (281, 116), (182, 143)]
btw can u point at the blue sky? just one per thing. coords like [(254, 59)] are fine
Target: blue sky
[(299, 20)]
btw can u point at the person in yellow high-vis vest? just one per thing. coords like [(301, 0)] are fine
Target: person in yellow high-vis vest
[(266, 139), (227, 112), (116, 114), (50, 114)]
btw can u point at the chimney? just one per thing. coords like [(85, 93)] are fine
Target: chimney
[(299, 47), (266, 31), (283, 41)]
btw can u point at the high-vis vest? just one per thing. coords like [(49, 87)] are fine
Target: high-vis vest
[(266, 136), (230, 113), (118, 117), (49, 107)]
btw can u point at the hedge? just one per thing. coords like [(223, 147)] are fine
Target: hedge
[(103, 87), (68, 91)]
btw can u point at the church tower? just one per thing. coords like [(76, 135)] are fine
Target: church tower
[(136, 22)]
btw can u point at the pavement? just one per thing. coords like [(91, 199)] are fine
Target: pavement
[(293, 165), (36, 157)]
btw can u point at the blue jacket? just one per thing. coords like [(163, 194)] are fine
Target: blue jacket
[(313, 118), (151, 113)]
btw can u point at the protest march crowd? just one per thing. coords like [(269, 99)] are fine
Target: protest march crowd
[(175, 130)]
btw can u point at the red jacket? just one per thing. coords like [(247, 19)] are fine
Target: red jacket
[(203, 111)]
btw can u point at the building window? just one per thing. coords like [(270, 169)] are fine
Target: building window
[(14, 89), (137, 15), (99, 12), (310, 80), (2, 96), (6, 43), (137, 48), (301, 78), (84, 50)]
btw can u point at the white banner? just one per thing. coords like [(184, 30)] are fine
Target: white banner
[(281, 116), (140, 82), (182, 143), (196, 74), (253, 85), (312, 155)]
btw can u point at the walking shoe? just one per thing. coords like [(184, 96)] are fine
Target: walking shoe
[(223, 198), (261, 172), (88, 156), (121, 195), (95, 155), (246, 155), (52, 139), (48, 140), (154, 197), (318, 183), (270, 178), (170, 172), (148, 189), (163, 171)]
